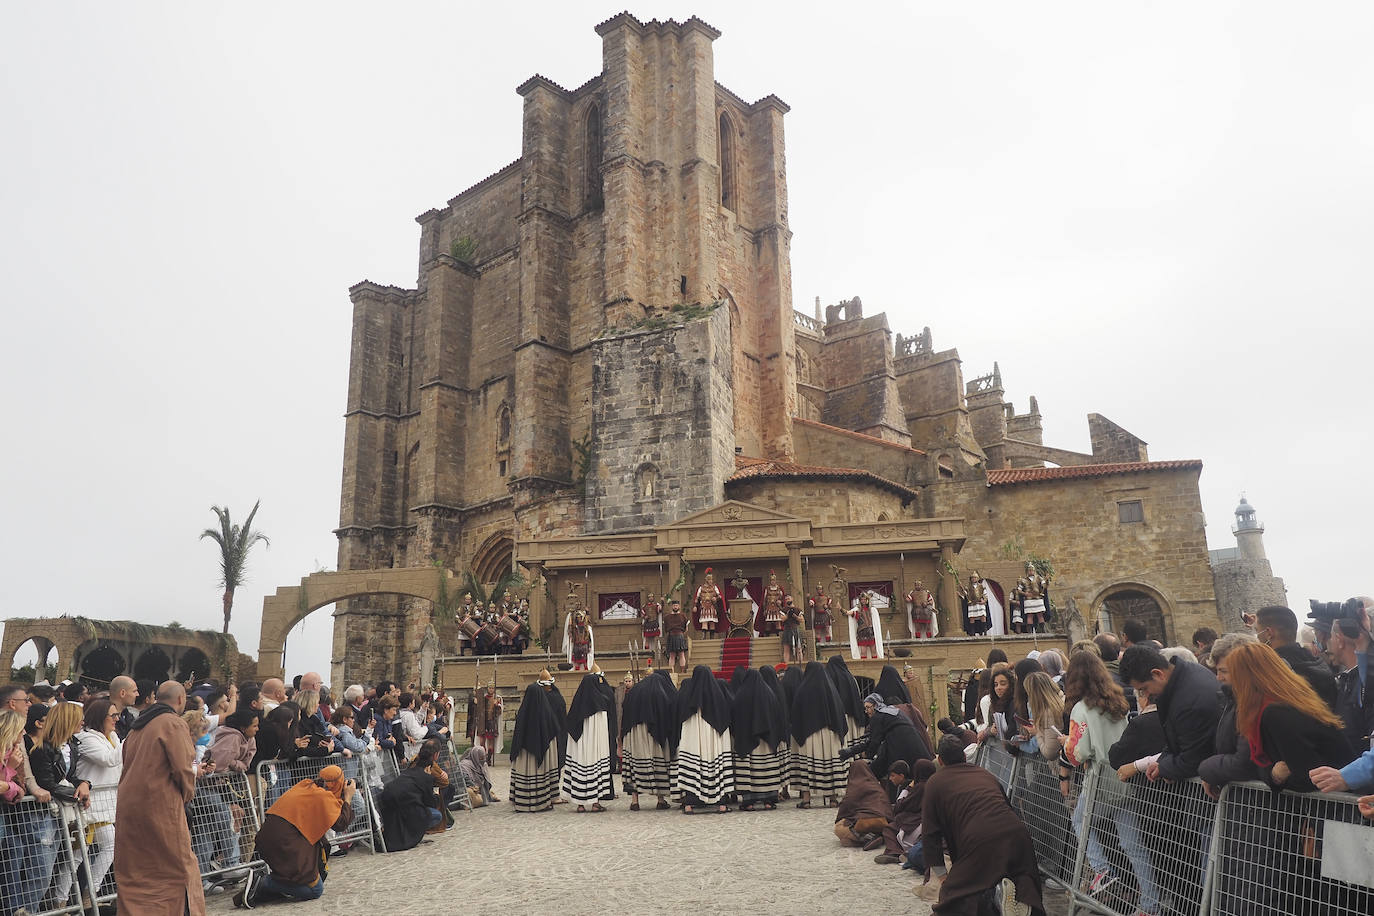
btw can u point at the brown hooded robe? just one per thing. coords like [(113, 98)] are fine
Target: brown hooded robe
[(154, 867), (965, 812)]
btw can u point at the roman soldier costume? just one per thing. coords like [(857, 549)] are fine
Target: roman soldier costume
[(820, 614), (708, 605), (768, 621), (920, 610), (865, 633), (579, 640)]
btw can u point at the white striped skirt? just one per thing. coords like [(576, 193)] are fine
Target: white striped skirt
[(647, 768), (816, 764), (534, 780), (763, 771), (587, 772), (704, 765)]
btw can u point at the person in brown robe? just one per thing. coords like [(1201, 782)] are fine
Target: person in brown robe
[(965, 812), (155, 870), (292, 839), (864, 811)]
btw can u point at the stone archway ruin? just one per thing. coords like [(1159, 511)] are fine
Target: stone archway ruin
[(112, 647), (292, 603)]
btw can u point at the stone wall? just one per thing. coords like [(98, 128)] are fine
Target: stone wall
[(1074, 523), (664, 423), (1112, 443), (824, 502), (1246, 585)]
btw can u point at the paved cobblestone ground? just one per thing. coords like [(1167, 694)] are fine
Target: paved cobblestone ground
[(621, 861)]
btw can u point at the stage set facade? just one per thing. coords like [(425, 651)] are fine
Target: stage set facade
[(599, 378)]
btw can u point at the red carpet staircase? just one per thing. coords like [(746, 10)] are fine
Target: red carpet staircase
[(734, 651)]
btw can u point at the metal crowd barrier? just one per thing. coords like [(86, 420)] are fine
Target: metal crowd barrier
[(1140, 847), (276, 776), (42, 857)]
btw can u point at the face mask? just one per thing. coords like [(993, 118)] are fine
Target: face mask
[(203, 741)]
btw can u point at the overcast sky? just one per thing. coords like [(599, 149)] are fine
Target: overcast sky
[(1160, 212)]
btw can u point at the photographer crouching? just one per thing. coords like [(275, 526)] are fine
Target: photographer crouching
[(292, 841)]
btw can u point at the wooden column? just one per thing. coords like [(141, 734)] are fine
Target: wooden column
[(539, 600), (949, 590), (674, 570)]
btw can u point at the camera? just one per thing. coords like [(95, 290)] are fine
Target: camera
[(1344, 614)]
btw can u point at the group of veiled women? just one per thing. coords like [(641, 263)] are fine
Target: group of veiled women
[(707, 744)]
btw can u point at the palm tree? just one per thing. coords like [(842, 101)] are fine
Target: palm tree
[(234, 543)]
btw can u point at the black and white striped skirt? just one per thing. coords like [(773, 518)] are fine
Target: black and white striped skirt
[(703, 770), (816, 764), (587, 772), (646, 763), (762, 773), (534, 781)]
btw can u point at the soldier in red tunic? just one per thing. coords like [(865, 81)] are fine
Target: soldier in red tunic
[(768, 621), (652, 626), (920, 610), (709, 605), (820, 614)]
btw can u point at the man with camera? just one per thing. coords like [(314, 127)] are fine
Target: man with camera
[(1342, 630), (292, 839)]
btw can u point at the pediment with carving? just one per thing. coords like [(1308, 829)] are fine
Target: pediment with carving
[(734, 522)]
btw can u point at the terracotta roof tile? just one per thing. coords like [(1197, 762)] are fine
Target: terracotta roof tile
[(1007, 476), (762, 469)]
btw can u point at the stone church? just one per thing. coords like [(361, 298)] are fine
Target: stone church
[(599, 378)]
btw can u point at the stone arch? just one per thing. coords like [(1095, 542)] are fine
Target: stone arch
[(493, 558), (102, 665), (48, 656), (193, 664), (154, 665), (1122, 600), (292, 603)]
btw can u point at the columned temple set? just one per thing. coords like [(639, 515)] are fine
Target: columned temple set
[(599, 382)]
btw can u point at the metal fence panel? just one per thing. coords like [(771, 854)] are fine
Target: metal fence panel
[(1292, 854), (448, 762), (994, 757), (276, 776), (42, 850), (1047, 814)]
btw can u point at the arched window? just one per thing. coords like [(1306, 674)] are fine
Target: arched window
[(593, 165), (727, 162)]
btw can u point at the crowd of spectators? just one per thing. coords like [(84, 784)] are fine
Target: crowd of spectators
[(62, 751)]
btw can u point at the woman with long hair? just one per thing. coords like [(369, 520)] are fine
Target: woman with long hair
[(1097, 719), (979, 686), (100, 763), (52, 762), (312, 727), (1046, 705), (1290, 730), (20, 886), (995, 708)]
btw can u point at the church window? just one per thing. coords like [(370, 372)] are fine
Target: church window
[(727, 162), (1130, 512), (594, 152), (503, 429)]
